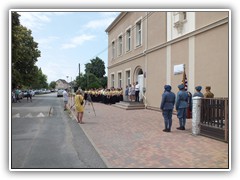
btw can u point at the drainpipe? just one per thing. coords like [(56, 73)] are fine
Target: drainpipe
[(145, 69)]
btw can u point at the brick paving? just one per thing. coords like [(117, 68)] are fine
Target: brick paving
[(134, 139)]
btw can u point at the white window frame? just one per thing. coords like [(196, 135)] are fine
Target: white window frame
[(120, 79), (128, 43), (120, 45), (138, 36), (113, 45), (128, 79), (112, 79)]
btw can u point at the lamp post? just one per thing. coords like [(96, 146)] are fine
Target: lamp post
[(67, 81)]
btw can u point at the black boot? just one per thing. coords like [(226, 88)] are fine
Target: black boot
[(179, 128)]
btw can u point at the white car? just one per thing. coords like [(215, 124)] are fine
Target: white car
[(60, 93)]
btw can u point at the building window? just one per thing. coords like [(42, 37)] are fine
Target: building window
[(128, 78), (113, 50), (128, 40), (120, 80), (120, 47), (138, 33), (112, 80)]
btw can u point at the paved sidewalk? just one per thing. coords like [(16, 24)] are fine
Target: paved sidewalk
[(134, 139)]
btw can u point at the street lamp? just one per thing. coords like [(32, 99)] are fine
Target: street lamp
[(67, 78)]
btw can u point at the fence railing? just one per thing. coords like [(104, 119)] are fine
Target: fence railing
[(215, 117)]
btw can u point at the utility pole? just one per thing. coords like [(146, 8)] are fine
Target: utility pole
[(79, 69)]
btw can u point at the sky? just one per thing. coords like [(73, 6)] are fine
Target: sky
[(67, 38)]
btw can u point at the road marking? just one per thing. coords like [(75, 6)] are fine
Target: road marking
[(40, 115), (16, 115), (29, 115)]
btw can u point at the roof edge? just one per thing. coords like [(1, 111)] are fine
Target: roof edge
[(118, 18)]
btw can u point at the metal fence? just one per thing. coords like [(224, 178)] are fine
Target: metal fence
[(214, 118)]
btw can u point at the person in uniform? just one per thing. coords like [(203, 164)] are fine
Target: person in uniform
[(208, 93), (181, 106), (79, 105), (167, 105), (198, 92)]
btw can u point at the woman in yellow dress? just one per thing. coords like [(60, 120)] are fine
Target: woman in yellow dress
[(79, 105)]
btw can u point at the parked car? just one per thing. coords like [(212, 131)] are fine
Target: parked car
[(60, 93)]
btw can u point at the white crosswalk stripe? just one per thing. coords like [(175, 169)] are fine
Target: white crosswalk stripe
[(40, 115), (29, 115), (16, 115)]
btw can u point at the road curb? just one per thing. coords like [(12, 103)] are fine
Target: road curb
[(92, 142)]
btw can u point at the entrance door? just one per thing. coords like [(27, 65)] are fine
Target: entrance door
[(140, 82)]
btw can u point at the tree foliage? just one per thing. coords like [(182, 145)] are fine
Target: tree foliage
[(52, 84), (94, 75), (24, 56), (96, 67)]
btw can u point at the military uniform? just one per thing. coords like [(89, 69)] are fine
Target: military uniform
[(181, 106), (198, 93), (167, 105), (208, 93)]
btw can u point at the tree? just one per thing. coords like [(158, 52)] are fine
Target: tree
[(52, 84), (96, 67), (24, 54)]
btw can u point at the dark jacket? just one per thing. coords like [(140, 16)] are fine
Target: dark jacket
[(168, 100), (182, 99)]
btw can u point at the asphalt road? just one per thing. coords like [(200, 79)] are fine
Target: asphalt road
[(43, 136)]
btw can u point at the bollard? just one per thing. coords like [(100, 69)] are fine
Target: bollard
[(196, 113)]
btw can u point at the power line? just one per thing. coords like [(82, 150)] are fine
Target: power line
[(123, 35)]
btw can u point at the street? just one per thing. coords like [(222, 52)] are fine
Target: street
[(45, 136)]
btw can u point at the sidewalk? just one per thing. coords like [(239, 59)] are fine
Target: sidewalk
[(134, 139)]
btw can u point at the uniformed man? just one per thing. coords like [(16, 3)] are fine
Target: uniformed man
[(198, 92), (208, 93), (167, 105), (181, 106)]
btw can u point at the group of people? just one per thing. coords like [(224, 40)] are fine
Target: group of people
[(106, 96), (17, 94), (132, 92), (182, 102)]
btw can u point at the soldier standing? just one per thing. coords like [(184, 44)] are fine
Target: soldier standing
[(208, 93), (181, 106), (167, 105), (198, 92)]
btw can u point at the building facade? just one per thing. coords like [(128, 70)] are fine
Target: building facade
[(154, 48), (62, 84)]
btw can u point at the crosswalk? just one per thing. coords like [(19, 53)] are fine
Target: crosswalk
[(31, 115)]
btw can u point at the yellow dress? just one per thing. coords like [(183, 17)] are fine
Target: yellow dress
[(78, 101)]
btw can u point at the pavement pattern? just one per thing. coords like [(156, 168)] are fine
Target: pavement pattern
[(134, 139)]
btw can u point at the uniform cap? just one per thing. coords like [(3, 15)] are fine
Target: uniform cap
[(198, 88), (181, 86), (167, 87)]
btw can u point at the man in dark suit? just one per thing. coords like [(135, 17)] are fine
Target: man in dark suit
[(167, 105)]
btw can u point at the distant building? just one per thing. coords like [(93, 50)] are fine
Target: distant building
[(61, 84), (153, 47)]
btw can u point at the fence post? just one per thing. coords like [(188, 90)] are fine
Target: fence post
[(196, 114)]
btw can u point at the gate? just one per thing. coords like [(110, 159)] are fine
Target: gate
[(214, 118)]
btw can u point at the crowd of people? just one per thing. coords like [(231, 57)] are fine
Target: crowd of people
[(182, 101)]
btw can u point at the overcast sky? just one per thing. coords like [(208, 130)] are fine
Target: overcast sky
[(67, 39)]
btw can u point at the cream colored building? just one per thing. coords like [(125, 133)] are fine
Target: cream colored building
[(153, 47)]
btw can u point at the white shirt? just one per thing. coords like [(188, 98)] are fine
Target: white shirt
[(65, 95), (137, 87)]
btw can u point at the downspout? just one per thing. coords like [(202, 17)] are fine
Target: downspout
[(146, 58)]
